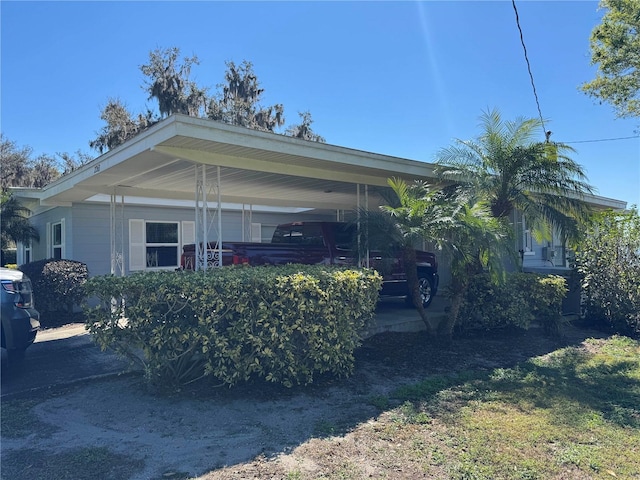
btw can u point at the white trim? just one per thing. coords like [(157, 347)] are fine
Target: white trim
[(166, 202), (48, 236)]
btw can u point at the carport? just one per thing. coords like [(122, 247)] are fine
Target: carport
[(210, 164)]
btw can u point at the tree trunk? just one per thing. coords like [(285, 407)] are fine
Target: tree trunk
[(445, 329), (411, 272)]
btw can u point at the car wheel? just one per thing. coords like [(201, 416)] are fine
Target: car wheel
[(426, 291)]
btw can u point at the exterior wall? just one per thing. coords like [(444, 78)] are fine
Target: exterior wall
[(87, 229), (40, 250), (539, 256)]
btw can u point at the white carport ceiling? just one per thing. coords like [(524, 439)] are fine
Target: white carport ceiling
[(256, 168)]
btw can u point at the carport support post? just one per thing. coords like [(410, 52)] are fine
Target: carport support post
[(205, 257), (201, 218), (116, 225), (366, 227), (219, 263)]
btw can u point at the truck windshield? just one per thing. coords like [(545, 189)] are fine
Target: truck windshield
[(307, 234)]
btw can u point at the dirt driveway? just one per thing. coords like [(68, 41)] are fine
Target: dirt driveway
[(139, 435)]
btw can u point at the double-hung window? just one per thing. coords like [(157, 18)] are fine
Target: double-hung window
[(161, 244), (55, 240), (157, 244)]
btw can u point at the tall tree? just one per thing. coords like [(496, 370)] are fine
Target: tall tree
[(43, 171), (14, 164), (19, 169), (169, 82), (121, 125), (69, 162), (511, 171), (303, 130), (615, 49), (239, 101)]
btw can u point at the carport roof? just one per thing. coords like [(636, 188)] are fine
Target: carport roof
[(256, 168)]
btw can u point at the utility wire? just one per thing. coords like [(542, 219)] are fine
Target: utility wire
[(526, 57), (603, 139)]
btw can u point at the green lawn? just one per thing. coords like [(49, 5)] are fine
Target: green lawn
[(574, 413)]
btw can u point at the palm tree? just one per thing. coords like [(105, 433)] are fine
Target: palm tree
[(451, 222), (478, 242), (15, 223), (511, 171)]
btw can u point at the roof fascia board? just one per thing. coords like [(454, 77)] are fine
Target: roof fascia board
[(143, 141)]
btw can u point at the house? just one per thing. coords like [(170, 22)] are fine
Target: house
[(190, 180)]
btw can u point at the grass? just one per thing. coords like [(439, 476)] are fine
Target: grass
[(88, 463), (18, 419), (572, 414)]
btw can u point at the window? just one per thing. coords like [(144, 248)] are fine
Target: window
[(161, 244), (27, 253), (156, 245), (55, 240), (307, 234), (526, 243)]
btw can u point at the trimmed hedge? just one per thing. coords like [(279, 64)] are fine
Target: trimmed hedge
[(523, 299), (281, 324), (58, 286)]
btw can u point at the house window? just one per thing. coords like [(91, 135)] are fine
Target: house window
[(527, 239), (57, 241), (157, 245), (26, 253), (161, 244)]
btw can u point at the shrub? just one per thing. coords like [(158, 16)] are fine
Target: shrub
[(58, 286), (521, 300), (544, 295), (608, 261), (280, 324), (490, 306)]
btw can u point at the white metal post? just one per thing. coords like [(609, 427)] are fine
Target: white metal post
[(116, 225), (219, 264)]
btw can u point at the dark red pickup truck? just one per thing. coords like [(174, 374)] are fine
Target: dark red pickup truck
[(322, 243)]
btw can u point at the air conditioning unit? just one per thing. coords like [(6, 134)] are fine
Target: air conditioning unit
[(548, 254)]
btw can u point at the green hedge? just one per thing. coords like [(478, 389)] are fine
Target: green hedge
[(281, 324), (58, 286), (522, 299)]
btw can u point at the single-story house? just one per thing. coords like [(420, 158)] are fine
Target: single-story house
[(188, 180)]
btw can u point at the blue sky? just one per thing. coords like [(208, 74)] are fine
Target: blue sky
[(398, 78)]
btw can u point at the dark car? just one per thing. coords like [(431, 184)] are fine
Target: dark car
[(20, 319)]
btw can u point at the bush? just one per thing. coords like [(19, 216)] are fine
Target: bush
[(58, 286), (608, 261), (521, 300), (280, 324), (544, 295)]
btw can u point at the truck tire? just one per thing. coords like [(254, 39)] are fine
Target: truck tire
[(426, 290)]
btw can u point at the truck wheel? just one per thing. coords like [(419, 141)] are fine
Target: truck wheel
[(426, 291)]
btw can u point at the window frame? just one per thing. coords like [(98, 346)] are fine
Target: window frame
[(55, 249), (159, 245)]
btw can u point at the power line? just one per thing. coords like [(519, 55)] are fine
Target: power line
[(604, 139), (526, 57)]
